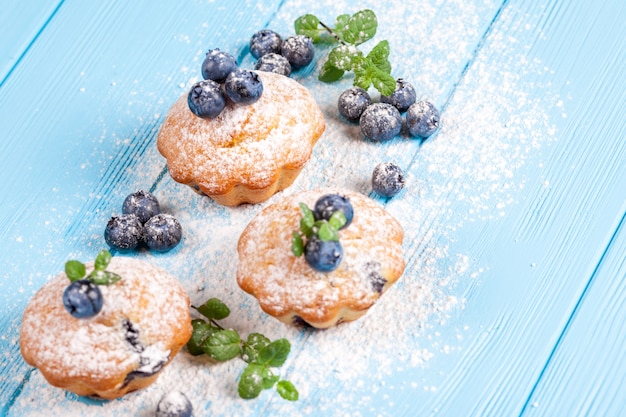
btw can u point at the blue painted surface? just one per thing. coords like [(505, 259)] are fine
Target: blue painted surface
[(512, 301)]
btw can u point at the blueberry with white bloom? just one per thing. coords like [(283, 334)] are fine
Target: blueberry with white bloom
[(243, 86), (298, 49), (402, 97), (123, 232), (206, 99), (380, 122), (217, 65), (388, 179), (352, 102), (327, 204), (275, 63), (422, 119), (323, 256), (174, 404), (162, 232), (142, 204), (82, 299), (265, 41)]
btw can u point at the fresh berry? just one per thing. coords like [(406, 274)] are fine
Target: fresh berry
[(82, 299), (174, 404), (323, 256), (142, 204), (217, 65), (206, 99), (265, 42), (162, 232), (352, 102), (387, 179), (326, 205), (298, 50), (123, 232), (243, 86), (403, 97), (422, 118), (274, 63), (380, 122)]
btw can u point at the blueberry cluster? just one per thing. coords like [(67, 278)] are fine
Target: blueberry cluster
[(223, 81), (280, 56), (142, 221), (322, 250), (382, 121)]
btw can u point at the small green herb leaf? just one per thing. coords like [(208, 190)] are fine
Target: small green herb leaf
[(201, 331), (102, 260), (361, 27), (337, 220), (100, 277), (341, 23), (308, 25), (269, 379), (251, 381), (328, 233), (275, 353), (297, 245), (307, 215), (330, 73), (222, 345), (379, 55), (287, 390), (341, 57), (254, 343), (214, 309), (75, 270)]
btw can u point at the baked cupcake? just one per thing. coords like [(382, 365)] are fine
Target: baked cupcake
[(369, 259), (142, 321), (247, 152)]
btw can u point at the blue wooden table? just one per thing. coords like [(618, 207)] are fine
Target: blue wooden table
[(513, 299)]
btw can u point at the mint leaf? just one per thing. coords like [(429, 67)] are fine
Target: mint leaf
[(101, 277), (341, 57), (75, 270), (269, 379), (214, 309), (361, 27), (341, 23), (102, 260), (337, 220), (254, 343), (382, 81), (297, 245), (379, 55), (308, 25), (307, 215), (222, 345), (251, 381), (275, 353), (329, 73), (327, 232), (201, 331), (287, 390)]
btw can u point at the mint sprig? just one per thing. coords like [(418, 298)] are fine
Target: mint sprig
[(326, 230), (76, 270), (373, 69), (259, 352)]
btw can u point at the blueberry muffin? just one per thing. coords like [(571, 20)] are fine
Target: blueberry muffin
[(143, 322), (289, 288), (247, 152)]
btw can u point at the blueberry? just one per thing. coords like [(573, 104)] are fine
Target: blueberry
[(323, 256), (265, 42), (217, 65), (206, 99), (298, 50), (142, 204), (243, 86), (402, 97), (387, 179), (174, 404), (82, 299), (422, 118), (274, 63), (326, 205), (123, 232), (162, 232), (380, 122), (352, 102)]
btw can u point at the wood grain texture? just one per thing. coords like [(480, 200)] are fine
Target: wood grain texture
[(513, 212)]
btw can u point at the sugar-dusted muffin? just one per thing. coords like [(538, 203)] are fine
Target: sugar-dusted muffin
[(288, 288), (143, 323), (248, 152)]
